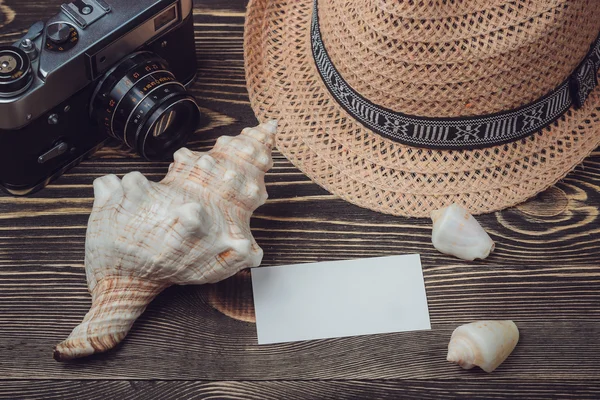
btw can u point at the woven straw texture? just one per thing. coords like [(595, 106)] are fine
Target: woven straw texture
[(428, 58)]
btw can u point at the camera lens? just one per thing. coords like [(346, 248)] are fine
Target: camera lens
[(15, 71), (161, 129), (140, 102)]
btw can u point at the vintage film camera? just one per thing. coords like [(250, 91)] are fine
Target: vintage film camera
[(99, 68)]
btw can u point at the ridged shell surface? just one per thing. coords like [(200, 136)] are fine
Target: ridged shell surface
[(193, 227)]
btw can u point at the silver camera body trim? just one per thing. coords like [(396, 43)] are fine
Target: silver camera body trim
[(59, 75)]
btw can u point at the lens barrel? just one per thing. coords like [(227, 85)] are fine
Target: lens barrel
[(140, 102)]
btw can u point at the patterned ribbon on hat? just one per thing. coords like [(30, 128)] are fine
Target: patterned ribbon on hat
[(463, 132)]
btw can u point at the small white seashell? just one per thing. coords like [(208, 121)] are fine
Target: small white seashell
[(193, 227), (483, 343), (457, 233)]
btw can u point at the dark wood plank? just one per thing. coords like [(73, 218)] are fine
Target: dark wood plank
[(545, 275), (302, 222), (181, 336), (292, 390)]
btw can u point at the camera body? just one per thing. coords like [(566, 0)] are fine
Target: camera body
[(94, 70)]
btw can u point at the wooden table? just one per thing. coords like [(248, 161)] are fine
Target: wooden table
[(200, 341)]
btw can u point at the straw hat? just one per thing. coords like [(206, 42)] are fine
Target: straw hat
[(406, 106)]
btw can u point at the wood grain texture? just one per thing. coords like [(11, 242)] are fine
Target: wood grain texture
[(295, 390), (544, 274)]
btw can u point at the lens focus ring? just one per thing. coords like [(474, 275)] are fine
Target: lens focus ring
[(140, 101), (138, 90)]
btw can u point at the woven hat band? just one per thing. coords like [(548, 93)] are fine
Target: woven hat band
[(459, 132)]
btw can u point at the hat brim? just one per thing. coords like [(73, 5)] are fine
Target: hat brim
[(338, 153)]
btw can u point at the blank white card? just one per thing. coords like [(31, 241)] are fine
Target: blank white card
[(339, 298)]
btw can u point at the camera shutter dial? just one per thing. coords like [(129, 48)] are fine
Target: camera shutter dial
[(61, 36), (58, 33)]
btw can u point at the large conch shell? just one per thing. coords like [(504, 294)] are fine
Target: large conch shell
[(457, 233), (483, 343), (193, 227)]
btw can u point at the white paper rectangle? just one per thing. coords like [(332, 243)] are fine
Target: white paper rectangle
[(339, 298)]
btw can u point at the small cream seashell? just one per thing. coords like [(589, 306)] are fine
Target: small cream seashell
[(483, 343), (193, 227), (457, 233)]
